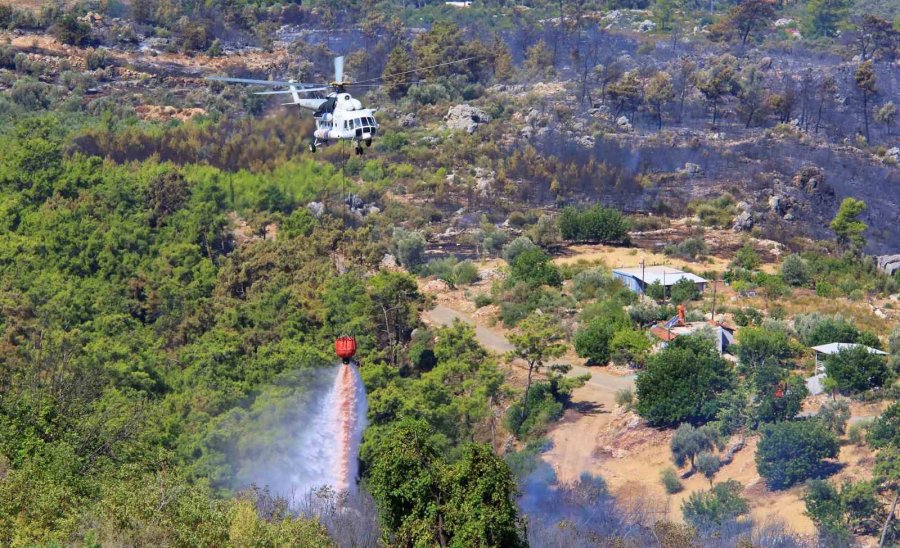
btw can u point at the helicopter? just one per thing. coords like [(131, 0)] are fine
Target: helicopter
[(338, 116)]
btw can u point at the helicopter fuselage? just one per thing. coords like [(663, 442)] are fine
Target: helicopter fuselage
[(341, 117)]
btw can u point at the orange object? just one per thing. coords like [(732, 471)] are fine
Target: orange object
[(682, 320), (345, 348)]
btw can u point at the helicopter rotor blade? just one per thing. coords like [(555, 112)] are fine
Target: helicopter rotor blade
[(382, 77), (275, 83), (339, 69), (287, 91)]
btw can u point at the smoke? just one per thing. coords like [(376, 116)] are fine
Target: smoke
[(584, 514), (300, 435)]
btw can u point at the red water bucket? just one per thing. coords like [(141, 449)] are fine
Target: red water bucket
[(345, 348)]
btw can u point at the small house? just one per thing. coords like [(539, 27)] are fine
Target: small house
[(639, 277)]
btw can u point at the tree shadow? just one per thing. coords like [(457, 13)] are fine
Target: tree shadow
[(588, 408)]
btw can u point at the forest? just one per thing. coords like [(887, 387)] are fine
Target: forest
[(175, 266)]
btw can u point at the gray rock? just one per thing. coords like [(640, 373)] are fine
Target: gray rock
[(466, 117), (888, 263), (777, 205), (623, 123), (893, 154), (389, 261), (316, 208), (585, 141), (646, 26), (743, 222), (692, 169), (408, 120)]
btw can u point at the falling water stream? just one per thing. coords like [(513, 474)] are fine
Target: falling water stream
[(326, 451)]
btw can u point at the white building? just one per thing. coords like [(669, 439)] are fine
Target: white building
[(639, 277)]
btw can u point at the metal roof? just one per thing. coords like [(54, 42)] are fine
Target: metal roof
[(652, 274), (834, 348)]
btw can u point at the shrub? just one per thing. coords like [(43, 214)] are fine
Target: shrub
[(545, 232), (534, 268), (794, 451), (596, 224), (624, 398), (690, 248), (630, 347), (688, 442), (671, 482), (711, 509), (746, 257), (708, 464), (795, 271), (408, 246), (592, 340), (482, 300), (465, 273), (834, 415), (856, 434), (684, 290), (514, 248), (588, 284)]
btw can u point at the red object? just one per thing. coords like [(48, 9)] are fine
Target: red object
[(345, 348), (779, 393)]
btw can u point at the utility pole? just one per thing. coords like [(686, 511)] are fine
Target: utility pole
[(712, 313), (643, 281)]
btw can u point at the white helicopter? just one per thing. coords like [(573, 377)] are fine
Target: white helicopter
[(339, 117)]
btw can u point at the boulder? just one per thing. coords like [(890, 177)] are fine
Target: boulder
[(893, 154), (466, 117), (623, 123), (316, 208), (889, 264), (408, 120), (692, 169), (743, 222), (646, 26)]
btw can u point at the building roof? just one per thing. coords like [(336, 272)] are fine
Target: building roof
[(834, 348), (663, 333), (652, 274)]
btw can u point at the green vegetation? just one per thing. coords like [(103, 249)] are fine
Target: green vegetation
[(597, 224), (683, 382), (711, 509), (793, 451)]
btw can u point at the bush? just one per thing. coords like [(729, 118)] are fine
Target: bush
[(856, 434), (630, 347), (543, 408), (590, 283), (834, 415), (708, 464), (671, 482), (545, 232), (465, 273), (483, 299), (514, 248), (707, 510), (408, 246), (98, 59), (690, 248), (624, 398), (688, 442), (684, 290), (534, 268), (795, 271), (597, 224), (746, 257), (592, 341), (794, 451)]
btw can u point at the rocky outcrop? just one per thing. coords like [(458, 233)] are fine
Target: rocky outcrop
[(889, 264), (743, 222), (466, 117)]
